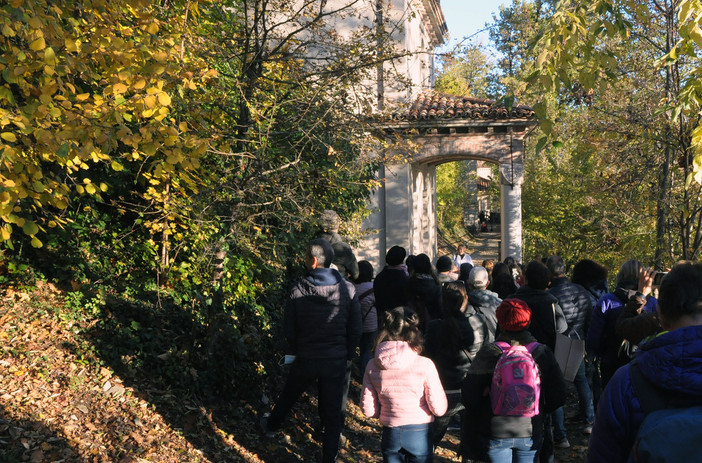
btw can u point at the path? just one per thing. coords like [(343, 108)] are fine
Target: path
[(480, 247)]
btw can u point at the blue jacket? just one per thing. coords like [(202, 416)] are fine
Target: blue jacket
[(673, 361), (602, 340)]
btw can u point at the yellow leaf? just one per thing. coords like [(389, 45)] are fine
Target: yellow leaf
[(103, 187), (35, 23), (36, 243), (8, 136), (161, 57), (153, 28), (71, 45), (90, 188), (139, 84), (119, 88), (7, 31), (150, 101), (5, 233), (82, 96), (52, 224), (80, 189), (49, 56), (38, 44), (164, 98), (116, 166)]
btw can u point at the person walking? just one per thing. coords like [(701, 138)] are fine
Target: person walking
[(452, 343), (322, 324), (575, 303), (403, 390), (495, 436)]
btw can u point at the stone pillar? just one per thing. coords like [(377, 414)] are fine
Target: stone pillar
[(511, 180)]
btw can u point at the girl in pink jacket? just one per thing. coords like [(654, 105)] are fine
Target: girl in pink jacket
[(402, 389)]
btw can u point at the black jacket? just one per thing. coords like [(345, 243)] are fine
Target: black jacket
[(542, 305), (323, 317), (390, 288), (453, 357)]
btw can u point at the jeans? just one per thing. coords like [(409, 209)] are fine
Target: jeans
[(587, 408), (441, 423), (559, 431), (330, 375), (407, 444), (515, 449)]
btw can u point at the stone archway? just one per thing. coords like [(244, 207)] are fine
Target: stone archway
[(446, 129)]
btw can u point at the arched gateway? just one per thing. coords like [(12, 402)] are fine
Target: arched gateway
[(447, 128)]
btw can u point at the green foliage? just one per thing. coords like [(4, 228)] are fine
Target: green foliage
[(453, 179), (466, 72)]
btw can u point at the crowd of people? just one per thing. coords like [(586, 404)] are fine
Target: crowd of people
[(473, 346)]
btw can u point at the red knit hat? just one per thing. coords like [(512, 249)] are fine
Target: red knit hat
[(513, 315)]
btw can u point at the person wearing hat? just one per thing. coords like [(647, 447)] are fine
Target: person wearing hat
[(491, 438), (483, 300), (444, 267)]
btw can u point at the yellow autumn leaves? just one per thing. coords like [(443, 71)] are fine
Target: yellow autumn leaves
[(81, 91)]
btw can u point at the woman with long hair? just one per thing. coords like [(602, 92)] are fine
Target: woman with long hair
[(452, 344)]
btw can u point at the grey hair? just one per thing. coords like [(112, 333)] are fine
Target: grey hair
[(322, 250)]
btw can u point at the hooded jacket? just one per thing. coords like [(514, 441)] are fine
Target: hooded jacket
[(672, 361), (400, 387), (323, 317)]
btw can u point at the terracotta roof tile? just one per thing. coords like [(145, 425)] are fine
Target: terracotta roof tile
[(435, 105)]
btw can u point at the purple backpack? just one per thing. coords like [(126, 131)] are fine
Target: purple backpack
[(516, 385)]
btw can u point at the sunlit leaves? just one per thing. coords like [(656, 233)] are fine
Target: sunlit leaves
[(80, 91)]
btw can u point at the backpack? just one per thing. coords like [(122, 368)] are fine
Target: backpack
[(670, 431), (516, 385)]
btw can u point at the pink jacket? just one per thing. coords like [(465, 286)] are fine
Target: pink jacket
[(401, 387)]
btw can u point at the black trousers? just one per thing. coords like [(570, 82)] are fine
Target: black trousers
[(330, 376)]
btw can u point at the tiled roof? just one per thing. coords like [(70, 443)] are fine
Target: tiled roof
[(431, 105)]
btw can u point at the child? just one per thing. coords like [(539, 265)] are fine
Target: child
[(402, 389)]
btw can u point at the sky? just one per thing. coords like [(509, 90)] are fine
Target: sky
[(466, 17)]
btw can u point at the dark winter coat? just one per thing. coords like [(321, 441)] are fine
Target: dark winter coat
[(480, 425), (672, 361), (425, 298), (544, 322), (453, 357), (323, 317), (390, 288), (575, 303)]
